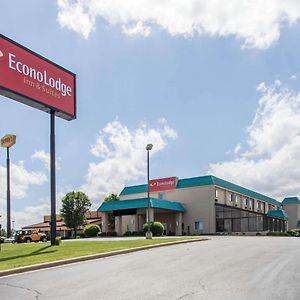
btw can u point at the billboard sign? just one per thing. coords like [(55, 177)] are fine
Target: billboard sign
[(8, 140), (34, 80), (163, 184)]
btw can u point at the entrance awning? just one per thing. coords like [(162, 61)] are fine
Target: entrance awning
[(279, 213), (141, 203)]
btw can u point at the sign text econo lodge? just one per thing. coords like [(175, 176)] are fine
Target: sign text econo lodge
[(34, 80)]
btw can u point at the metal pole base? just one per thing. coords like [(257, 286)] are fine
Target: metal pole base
[(148, 235)]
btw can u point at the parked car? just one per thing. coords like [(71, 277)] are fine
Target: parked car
[(2, 238), (10, 240), (27, 236)]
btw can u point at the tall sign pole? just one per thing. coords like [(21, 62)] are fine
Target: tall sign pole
[(8, 141), (52, 178), (34, 80)]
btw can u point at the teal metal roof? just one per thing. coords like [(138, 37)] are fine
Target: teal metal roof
[(141, 203), (135, 189), (290, 200), (201, 181), (279, 213)]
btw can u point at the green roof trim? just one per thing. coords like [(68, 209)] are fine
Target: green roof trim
[(279, 213), (141, 203), (135, 189), (202, 181), (290, 200)]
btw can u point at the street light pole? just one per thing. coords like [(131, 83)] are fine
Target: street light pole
[(6, 142), (149, 232)]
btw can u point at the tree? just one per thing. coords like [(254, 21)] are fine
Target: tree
[(74, 207), (111, 217)]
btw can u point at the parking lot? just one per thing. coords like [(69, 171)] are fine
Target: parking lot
[(221, 268)]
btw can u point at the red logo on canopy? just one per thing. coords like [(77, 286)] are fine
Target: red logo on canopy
[(162, 184)]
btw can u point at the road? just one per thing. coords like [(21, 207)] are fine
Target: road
[(224, 268)]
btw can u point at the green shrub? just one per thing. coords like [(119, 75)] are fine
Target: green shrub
[(138, 233), (112, 233), (156, 228), (57, 241), (277, 233), (91, 230), (127, 233)]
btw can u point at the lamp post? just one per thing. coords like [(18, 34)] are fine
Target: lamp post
[(6, 142), (0, 233), (148, 233)]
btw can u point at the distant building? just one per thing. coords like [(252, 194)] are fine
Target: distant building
[(92, 217), (292, 206), (205, 204)]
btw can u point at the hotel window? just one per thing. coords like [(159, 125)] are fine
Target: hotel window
[(252, 203), (198, 225), (246, 201), (216, 193), (161, 195), (258, 205), (230, 196)]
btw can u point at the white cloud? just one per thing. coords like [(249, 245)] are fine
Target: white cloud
[(257, 23), (44, 157), (30, 215), (75, 16), (137, 29), (293, 77), (122, 156), (237, 149), (271, 160), (21, 181)]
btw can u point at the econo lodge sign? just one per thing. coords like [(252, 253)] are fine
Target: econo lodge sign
[(162, 184), (34, 80)]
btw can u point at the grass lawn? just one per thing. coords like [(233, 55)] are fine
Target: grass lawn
[(19, 255)]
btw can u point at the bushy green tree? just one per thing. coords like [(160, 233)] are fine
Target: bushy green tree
[(74, 207), (111, 217), (91, 230)]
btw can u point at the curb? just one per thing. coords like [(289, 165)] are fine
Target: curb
[(90, 257)]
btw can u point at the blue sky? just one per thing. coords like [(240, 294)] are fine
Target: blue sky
[(214, 88)]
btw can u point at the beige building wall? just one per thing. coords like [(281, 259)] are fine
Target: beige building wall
[(199, 203), (293, 210)]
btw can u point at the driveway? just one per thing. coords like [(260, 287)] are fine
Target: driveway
[(223, 268)]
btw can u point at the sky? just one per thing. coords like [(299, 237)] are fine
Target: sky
[(213, 86)]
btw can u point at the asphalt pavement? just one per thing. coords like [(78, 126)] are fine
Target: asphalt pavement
[(222, 268)]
